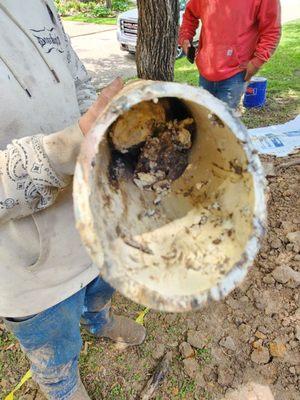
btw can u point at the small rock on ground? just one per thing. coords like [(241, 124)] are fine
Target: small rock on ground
[(228, 343), (260, 335), (269, 169), (269, 372), (277, 349), (268, 279), (260, 355), (196, 339), (244, 332), (294, 237), (159, 351), (225, 376), (186, 350), (286, 275), (191, 367), (276, 243), (252, 391), (297, 332)]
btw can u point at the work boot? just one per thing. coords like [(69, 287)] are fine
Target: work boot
[(124, 330), (80, 393)]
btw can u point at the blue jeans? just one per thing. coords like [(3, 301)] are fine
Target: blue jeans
[(229, 90), (52, 340)]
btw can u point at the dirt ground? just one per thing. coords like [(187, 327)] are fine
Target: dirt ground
[(251, 336)]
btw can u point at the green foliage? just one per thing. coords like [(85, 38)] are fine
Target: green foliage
[(92, 9), (117, 393), (204, 355), (137, 377), (99, 11), (120, 5), (186, 388)]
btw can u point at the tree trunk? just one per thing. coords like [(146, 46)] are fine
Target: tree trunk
[(157, 39), (108, 4)]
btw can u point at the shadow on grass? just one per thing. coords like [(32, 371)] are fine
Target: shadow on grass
[(278, 110)]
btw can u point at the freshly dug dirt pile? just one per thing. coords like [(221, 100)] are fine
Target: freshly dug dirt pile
[(252, 337)]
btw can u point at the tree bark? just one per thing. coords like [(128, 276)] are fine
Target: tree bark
[(108, 4), (157, 39)]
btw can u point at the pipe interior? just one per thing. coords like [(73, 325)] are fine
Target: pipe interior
[(198, 232)]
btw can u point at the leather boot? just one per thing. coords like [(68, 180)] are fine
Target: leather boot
[(80, 393), (124, 330)]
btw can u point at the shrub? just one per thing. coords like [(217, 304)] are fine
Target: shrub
[(91, 8), (120, 5), (100, 11)]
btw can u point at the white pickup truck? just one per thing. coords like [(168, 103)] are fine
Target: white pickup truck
[(128, 26)]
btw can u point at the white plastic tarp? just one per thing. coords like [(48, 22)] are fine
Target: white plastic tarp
[(279, 140)]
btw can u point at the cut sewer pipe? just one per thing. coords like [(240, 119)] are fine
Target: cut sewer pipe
[(203, 236)]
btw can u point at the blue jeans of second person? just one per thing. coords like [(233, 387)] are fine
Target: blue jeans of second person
[(52, 340), (228, 90)]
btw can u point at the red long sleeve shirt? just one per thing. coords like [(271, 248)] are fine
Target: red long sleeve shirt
[(233, 33)]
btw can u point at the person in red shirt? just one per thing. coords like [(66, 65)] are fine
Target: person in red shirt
[(237, 38)]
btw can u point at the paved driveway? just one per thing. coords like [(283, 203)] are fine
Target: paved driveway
[(290, 10), (98, 48)]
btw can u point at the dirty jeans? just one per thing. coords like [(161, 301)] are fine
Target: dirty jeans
[(229, 90), (52, 341)]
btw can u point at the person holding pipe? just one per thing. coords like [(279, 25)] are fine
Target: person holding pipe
[(48, 284)]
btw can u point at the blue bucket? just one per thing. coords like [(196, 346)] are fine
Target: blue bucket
[(256, 92)]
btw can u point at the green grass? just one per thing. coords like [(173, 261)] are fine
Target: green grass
[(186, 72), (284, 67), (117, 393), (283, 73), (101, 21), (204, 355), (186, 388)]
